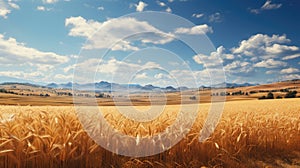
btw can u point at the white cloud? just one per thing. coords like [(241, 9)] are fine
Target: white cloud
[(162, 4), (140, 6), (199, 29), (141, 76), (13, 5), (4, 12), (238, 67), (124, 46), (199, 15), (216, 17), (158, 76), (82, 27), (170, 1), (115, 30), (270, 63), (119, 71), (271, 72), (267, 6), (264, 46), (44, 67), (50, 1), (62, 77), (289, 71), (43, 8), (101, 8), (212, 60), (290, 77), (293, 56), (40, 8), (169, 10), (22, 74), (162, 76), (6, 8), (14, 52), (228, 56), (277, 48), (201, 77)]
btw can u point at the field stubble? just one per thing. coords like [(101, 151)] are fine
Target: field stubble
[(250, 134)]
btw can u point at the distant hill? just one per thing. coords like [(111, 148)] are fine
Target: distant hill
[(233, 85), (104, 86), (107, 86)]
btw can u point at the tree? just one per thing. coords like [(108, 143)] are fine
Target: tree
[(263, 97), (193, 97), (270, 95), (291, 94)]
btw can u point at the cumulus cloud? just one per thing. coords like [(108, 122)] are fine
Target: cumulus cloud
[(289, 70), (277, 49), (111, 68), (290, 77), (7, 7), (14, 52), (270, 63), (212, 60), (199, 29), (22, 74), (267, 6), (36, 65), (4, 12), (82, 27), (141, 76), (140, 6), (115, 30), (238, 67), (246, 59), (264, 46)]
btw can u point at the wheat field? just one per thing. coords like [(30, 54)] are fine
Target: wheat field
[(254, 133)]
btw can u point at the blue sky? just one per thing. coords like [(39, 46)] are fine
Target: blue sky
[(250, 41)]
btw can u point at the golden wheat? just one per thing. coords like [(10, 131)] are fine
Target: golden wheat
[(250, 134)]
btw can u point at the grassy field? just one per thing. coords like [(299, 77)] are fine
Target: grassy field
[(30, 95), (254, 133)]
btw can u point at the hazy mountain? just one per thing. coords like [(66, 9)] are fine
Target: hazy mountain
[(6, 79), (233, 85), (170, 89), (107, 86)]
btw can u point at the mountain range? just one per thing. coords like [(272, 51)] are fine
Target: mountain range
[(107, 86)]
